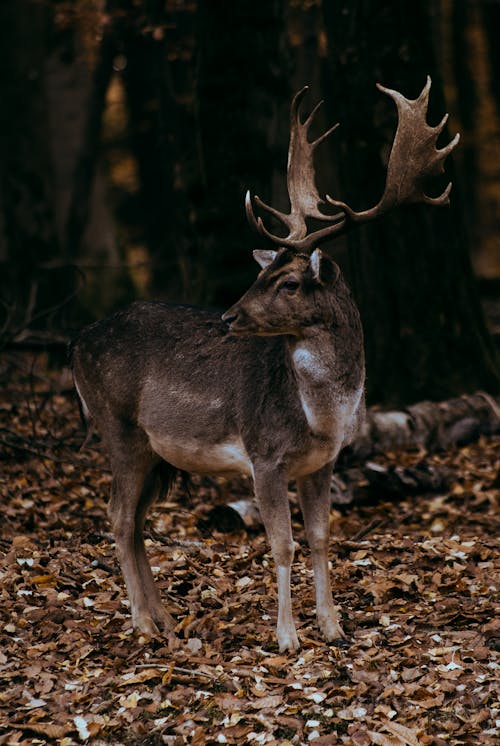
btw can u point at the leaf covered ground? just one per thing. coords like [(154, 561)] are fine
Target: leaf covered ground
[(415, 580)]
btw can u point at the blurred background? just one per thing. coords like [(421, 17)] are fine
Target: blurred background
[(130, 131)]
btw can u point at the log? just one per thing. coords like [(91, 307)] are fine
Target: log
[(432, 426)]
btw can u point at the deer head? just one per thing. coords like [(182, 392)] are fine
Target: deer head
[(290, 294)]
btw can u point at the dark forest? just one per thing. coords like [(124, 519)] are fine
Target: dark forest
[(130, 132)]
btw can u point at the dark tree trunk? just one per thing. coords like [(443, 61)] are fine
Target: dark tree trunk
[(28, 233), (467, 112), (154, 128), (88, 158), (25, 162), (491, 16), (241, 91), (424, 330)]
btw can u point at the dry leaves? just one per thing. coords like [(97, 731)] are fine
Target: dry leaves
[(417, 593)]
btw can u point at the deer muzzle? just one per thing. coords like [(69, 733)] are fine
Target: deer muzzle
[(238, 321)]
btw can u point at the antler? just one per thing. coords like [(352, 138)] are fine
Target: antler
[(304, 197), (414, 157)]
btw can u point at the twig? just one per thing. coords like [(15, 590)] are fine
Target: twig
[(166, 541), (178, 669), (367, 529), (344, 547)]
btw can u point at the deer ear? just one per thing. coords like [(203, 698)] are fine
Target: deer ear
[(264, 257), (323, 269)]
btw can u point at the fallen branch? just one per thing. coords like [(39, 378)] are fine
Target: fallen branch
[(432, 426)]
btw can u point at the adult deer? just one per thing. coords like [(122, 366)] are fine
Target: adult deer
[(273, 388)]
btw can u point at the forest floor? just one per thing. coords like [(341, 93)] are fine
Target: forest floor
[(414, 578)]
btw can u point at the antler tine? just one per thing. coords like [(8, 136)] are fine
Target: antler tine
[(257, 223), (310, 120), (295, 117), (303, 194)]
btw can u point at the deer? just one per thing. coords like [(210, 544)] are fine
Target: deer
[(273, 388)]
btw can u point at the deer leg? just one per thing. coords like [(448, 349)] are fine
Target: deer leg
[(125, 494), (314, 496), (156, 608), (272, 497), (133, 489)]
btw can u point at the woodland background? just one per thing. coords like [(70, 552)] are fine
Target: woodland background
[(131, 130), (129, 133)]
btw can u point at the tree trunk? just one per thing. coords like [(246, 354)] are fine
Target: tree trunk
[(241, 91), (28, 239), (87, 159), (155, 143), (424, 330)]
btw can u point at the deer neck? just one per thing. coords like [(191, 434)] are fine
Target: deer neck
[(319, 371)]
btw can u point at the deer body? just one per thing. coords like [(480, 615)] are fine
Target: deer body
[(273, 388), (211, 402), (172, 383)]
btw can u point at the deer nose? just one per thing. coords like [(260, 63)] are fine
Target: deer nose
[(229, 316)]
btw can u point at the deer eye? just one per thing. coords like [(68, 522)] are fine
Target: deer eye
[(289, 285)]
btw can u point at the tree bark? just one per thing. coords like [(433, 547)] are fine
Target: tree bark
[(154, 136), (241, 91), (28, 238), (491, 15), (88, 157)]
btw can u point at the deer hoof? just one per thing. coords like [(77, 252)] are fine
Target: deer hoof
[(288, 641), (145, 626), (332, 630), (163, 619)]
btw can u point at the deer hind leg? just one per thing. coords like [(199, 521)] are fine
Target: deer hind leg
[(134, 487), (156, 608), (314, 496), (272, 497)]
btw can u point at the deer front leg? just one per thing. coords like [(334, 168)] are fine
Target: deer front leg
[(314, 496), (272, 497)]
